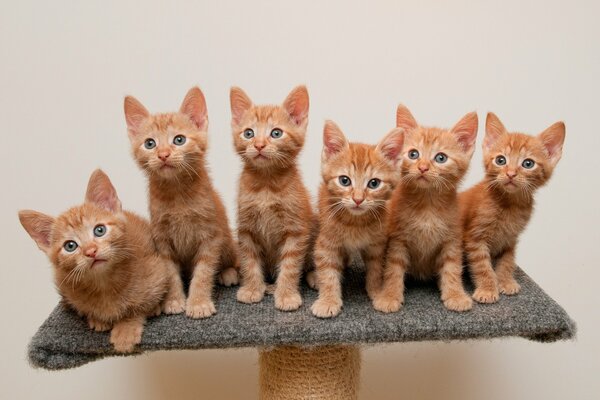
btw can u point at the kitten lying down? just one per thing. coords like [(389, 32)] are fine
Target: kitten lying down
[(105, 266)]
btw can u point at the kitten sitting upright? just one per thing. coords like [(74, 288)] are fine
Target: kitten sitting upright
[(188, 219), (275, 219), (495, 211), (424, 230), (105, 264)]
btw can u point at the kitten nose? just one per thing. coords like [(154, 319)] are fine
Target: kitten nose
[(259, 146), (358, 201), (423, 168), (511, 174), (163, 155), (91, 251)]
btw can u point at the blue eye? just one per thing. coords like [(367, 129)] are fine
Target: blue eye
[(374, 183), (276, 133), (500, 160), (179, 140), (528, 163), (248, 133), (344, 180), (413, 154), (441, 158), (99, 230), (70, 246), (149, 144)]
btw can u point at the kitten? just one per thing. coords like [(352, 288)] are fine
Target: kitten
[(105, 265), (495, 211), (424, 230), (275, 219), (188, 219), (358, 179)]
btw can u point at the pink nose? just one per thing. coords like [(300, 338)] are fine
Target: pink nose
[(358, 201), (511, 174), (423, 168), (164, 156), (259, 146), (91, 252)]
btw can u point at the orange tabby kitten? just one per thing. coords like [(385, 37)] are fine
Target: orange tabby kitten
[(188, 219), (358, 179), (275, 218), (495, 211), (424, 230), (105, 265)]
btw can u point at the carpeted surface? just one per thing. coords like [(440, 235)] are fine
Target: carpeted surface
[(64, 341)]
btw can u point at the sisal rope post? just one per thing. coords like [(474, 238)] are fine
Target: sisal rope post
[(299, 373)]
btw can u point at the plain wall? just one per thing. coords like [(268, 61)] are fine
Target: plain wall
[(65, 67)]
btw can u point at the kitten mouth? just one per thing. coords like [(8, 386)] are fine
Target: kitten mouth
[(166, 166), (97, 262), (260, 157)]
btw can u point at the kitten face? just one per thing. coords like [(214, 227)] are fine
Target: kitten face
[(269, 137), (516, 162), (359, 177), (436, 158), (167, 145)]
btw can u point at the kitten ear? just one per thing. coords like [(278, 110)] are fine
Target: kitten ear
[(101, 192), (493, 130), (194, 106), (553, 139), (391, 145), (404, 119), (334, 141), (240, 103), (135, 114), (466, 131), (296, 104), (38, 226)]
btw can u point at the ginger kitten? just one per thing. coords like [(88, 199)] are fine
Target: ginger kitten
[(275, 218), (358, 179), (424, 229), (188, 219), (495, 211), (105, 264)]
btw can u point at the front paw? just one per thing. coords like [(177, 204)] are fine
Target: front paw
[(174, 306), (124, 337), (484, 295), (249, 295), (387, 304), (200, 309), (458, 302), (509, 287), (228, 277), (325, 308), (98, 326), (311, 280), (287, 301)]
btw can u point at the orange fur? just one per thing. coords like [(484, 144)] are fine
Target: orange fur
[(357, 210), (188, 219), (115, 280), (424, 230), (275, 218), (495, 211)]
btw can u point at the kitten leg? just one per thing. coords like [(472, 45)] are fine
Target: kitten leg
[(482, 272), (174, 301), (391, 296), (373, 258), (199, 303), (127, 333), (229, 275), (287, 291), (253, 285), (450, 278), (328, 270), (97, 325), (505, 268)]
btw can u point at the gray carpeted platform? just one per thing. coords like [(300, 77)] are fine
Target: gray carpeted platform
[(64, 341)]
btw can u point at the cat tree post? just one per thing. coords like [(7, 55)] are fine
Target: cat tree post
[(320, 372)]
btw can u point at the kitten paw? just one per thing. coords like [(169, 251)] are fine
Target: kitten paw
[(98, 326), (387, 304), (326, 308), (198, 310), (486, 296), (157, 311), (311, 280), (250, 295), (288, 301), (173, 306), (460, 302), (510, 287), (124, 337), (228, 277)]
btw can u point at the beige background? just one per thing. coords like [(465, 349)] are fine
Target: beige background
[(65, 67)]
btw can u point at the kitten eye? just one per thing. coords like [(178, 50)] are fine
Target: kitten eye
[(344, 180), (248, 134), (70, 246), (99, 230), (441, 158), (179, 140), (528, 163), (276, 133), (413, 154), (500, 160), (149, 144), (374, 183)]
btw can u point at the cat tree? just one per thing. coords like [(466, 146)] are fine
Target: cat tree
[(304, 357)]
